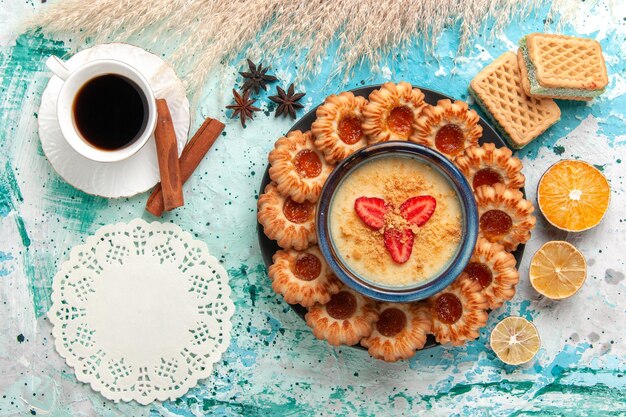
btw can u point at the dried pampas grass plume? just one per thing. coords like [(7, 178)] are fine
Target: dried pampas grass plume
[(203, 33)]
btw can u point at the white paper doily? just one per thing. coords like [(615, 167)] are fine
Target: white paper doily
[(136, 174), (141, 311)]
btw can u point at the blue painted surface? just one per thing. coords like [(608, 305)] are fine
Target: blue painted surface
[(274, 365)]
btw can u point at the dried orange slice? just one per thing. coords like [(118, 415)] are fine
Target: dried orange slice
[(557, 270), (515, 340), (573, 195)]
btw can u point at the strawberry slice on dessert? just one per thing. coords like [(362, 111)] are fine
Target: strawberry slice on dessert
[(399, 243), (417, 210), (372, 211)]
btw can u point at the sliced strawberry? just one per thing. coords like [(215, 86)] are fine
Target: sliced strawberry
[(417, 210), (372, 211), (399, 243)]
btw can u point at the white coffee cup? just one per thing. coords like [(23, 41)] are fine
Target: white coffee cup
[(74, 80)]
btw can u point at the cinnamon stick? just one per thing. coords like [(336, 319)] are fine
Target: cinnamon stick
[(167, 152), (189, 160)]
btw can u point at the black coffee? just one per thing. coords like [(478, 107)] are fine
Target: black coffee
[(110, 111)]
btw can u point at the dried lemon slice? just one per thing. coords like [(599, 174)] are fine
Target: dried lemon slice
[(557, 270), (573, 195), (515, 340)]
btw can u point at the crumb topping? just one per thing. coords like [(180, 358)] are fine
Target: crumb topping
[(436, 240)]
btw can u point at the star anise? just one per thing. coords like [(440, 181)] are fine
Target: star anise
[(243, 107), (287, 102), (256, 78)]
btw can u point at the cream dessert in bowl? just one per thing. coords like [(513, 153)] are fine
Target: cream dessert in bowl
[(395, 180), (397, 218)]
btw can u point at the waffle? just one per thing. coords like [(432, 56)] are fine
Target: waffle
[(498, 90), (564, 67)]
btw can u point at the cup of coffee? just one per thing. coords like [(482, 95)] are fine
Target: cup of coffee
[(106, 108)]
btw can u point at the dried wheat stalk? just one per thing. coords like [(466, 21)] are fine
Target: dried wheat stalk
[(207, 32)]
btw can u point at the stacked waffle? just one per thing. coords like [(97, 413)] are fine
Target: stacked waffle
[(517, 91)]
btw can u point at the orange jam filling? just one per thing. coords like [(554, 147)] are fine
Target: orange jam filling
[(297, 212), (495, 223), (480, 273), (400, 120), (448, 308), (349, 130), (307, 267), (341, 305), (308, 164), (486, 176), (391, 322), (450, 139)]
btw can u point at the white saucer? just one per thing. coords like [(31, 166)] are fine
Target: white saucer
[(136, 174)]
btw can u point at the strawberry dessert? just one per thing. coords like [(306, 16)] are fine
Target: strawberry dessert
[(395, 221)]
